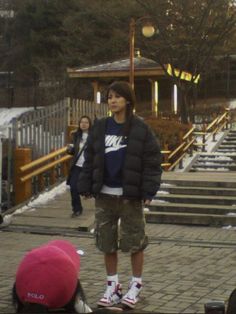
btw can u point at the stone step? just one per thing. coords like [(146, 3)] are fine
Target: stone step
[(224, 150), (189, 219), (229, 140), (159, 206), (215, 160), (197, 190), (228, 143), (227, 146), (215, 166), (204, 182), (195, 199), (210, 170), (218, 154)]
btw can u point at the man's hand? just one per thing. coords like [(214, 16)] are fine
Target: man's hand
[(87, 195), (147, 202)]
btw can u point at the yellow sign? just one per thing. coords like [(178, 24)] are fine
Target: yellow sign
[(184, 75)]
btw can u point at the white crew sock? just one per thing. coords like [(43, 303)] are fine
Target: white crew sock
[(137, 279), (113, 278)]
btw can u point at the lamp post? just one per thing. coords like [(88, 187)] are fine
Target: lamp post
[(148, 31)]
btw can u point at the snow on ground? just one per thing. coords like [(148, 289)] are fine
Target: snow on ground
[(232, 104), (42, 199), (209, 148), (6, 116)]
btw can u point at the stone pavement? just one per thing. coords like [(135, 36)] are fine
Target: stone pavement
[(185, 266)]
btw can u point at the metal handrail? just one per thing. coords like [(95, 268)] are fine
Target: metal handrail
[(189, 143)]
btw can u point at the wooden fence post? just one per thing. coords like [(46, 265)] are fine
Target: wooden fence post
[(70, 129), (23, 190)]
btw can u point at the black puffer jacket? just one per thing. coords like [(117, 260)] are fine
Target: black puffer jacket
[(142, 166)]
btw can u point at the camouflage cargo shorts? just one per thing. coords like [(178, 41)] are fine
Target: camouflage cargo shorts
[(130, 235)]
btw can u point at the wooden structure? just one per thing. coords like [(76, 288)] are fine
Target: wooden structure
[(150, 80)]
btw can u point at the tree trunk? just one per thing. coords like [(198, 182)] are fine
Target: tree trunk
[(183, 105)]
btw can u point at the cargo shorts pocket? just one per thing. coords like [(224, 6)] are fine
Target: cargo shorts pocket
[(106, 232), (132, 233)]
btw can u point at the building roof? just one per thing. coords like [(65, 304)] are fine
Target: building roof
[(118, 68)]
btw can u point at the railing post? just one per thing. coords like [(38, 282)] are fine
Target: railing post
[(23, 190), (41, 183), (214, 137), (65, 169), (165, 156), (204, 138), (52, 176)]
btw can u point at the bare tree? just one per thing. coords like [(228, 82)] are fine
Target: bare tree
[(189, 34)]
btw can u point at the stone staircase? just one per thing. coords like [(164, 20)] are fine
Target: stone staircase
[(201, 200), (205, 195), (223, 159)]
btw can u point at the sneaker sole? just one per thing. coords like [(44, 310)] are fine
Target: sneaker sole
[(127, 303), (101, 304)]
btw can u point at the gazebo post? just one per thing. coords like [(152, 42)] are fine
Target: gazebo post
[(95, 90), (154, 96)]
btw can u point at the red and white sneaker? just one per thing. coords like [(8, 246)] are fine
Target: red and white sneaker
[(112, 295), (131, 298)]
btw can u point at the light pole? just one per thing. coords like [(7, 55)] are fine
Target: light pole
[(148, 31)]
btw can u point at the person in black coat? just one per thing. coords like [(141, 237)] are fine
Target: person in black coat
[(122, 170), (77, 150)]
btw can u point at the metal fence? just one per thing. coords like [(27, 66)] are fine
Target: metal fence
[(6, 173), (83, 107), (43, 130)]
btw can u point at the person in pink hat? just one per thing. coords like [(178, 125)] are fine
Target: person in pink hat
[(48, 278)]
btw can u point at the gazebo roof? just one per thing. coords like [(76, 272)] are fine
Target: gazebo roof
[(118, 68)]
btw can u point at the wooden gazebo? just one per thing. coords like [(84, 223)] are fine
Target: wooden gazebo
[(148, 76)]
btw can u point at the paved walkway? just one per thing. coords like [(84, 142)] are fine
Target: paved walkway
[(185, 266)]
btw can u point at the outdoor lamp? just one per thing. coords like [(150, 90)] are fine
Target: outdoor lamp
[(148, 31)]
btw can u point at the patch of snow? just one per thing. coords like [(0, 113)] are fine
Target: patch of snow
[(42, 199), (7, 115), (231, 214), (167, 184), (229, 227), (157, 201), (162, 192), (232, 104), (211, 169), (6, 221)]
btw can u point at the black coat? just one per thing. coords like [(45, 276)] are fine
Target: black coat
[(76, 139), (142, 165)]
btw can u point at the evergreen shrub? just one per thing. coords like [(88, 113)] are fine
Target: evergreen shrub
[(169, 131)]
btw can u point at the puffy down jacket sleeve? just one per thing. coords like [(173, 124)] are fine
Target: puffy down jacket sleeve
[(152, 171)]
